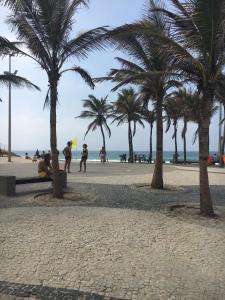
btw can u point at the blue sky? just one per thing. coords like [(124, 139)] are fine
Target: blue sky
[(30, 124)]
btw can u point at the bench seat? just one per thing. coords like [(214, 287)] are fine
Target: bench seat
[(8, 183), (26, 180)]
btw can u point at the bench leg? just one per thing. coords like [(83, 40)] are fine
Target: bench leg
[(8, 185)]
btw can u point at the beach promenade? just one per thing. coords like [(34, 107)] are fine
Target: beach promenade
[(112, 237)]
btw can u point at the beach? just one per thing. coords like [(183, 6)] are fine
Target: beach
[(112, 237)]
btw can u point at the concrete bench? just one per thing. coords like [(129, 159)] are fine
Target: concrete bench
[(26, 180), (8, 183)]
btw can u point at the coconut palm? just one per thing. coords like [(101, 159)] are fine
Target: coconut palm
[(128, 109), (150, 117), (148, 68), (173, 114), (45, 27), (221, 98), (186, 101), (196, 45), (97, 110), (198, 49)]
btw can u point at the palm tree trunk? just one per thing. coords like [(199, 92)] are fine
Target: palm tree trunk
[(130, 140), (175, 140), (103, 138), (206, 206), (223, 142), (57, 186), (150, 152), (185, 142), (157, 180)]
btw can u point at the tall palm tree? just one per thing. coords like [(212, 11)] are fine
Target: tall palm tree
[(188, 111), (196, 45), (148, 68), (45, 27), (150, 117), (186, 102), (221, 98), (128, 109), (97, 110), (173, 113)]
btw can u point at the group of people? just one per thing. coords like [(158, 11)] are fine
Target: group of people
[(67, 152), (45, 166), (41, 155), (215, 158), (137, 158)]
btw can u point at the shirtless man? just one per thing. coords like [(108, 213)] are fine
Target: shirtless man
[(67, 152), (44, 167)]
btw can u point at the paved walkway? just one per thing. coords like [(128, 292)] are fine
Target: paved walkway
[(112, 241)]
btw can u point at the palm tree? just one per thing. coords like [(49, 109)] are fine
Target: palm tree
[(196, 45), (186, 102), (147, 68), (188, 111), (45, 27), (173, 113), (221, 98), (150, 117), (128, 109), (97, 110)]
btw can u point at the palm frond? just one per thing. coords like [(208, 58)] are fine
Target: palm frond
[(82, 45), (84, 74), (47, 100), (17, 81)]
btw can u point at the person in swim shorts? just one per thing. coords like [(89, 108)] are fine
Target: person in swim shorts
[(67, 152), (84, 157)]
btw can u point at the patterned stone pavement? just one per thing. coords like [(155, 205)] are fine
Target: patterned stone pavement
[(117, 253), (113, 242)]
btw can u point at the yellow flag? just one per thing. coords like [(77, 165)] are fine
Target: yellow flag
[(74, 143)]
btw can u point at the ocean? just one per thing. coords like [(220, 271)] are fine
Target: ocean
[(114, 156)]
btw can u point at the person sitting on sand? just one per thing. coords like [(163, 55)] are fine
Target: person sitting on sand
[(210, 160), (27, 156), (44, 167), (67, 152), (102, 155), (84, 157)]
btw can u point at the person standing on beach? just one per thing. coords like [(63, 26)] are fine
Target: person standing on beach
[(37, 154), (43, 154), (84, 157), (102, 155), (67, 152)]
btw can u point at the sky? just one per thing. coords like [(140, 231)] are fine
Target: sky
[(30, 123)]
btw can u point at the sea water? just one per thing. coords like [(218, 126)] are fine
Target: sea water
[(114, 156)]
